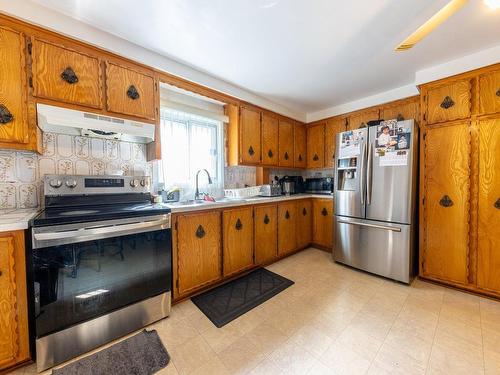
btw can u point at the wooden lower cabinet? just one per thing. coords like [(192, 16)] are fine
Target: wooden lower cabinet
[(304, 223), (197, 251), (266, 233), (287, 219), (238, 240), (322, 227), (14, 344)]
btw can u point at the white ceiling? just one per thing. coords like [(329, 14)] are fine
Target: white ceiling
[(304, 54)]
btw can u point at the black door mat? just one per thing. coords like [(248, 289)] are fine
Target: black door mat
[(142, 354), (229, 301)]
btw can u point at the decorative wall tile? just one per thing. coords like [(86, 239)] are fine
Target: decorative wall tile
[(125, 151), (7, 166), (7, 195), (65, 166), (26, 167), (82, 147), (111, 149), (98, 167), (64, 145), (46, 166), (97, 148), (49, 144), (28, 196), (82, 167)]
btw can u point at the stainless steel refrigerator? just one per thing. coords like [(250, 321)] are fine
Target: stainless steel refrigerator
[(375, 221)]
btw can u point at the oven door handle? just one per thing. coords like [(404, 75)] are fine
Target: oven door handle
[(86, 234)]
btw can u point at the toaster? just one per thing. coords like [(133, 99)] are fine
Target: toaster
[(270, 191)]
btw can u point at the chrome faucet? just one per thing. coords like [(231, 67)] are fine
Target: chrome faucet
[(197, 192)]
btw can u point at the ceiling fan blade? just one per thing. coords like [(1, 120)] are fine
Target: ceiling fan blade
[(437, 19)]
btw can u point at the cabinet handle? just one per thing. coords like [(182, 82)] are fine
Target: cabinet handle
[(200, 232), (251, 151), (315, 157), (238, 225), (498, 92), (5, 115), (286, 156), (287, 215), (324, 211), (270, 153), (447, 103), (132, 92), (400, 117), (304, 211), (497, 204), (266, 219), (300, 157), (69, 75), (446, 201), (0, 273)]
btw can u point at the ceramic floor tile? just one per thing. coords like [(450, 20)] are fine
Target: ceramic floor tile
[(220, 338), (390, 360), (491, 362), (213, 367), (175, 333), (411, 343), (191, 355), (359, 342), (241, 357), (310, 337), (344, 361), (266, 338), (292, 358)]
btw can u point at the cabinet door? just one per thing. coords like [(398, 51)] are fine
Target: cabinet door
[(130, 92), (238, 240), (332, 127), (13, 106), (287, 220), (323, 222), (266, 233), (198, 251), (403, 111), (286, 144), (300, 154), (360, 119), (250, 132), (451, 101), (489, 92), (269, 140), (66, 75), (315, 146), (446, 202), (488, 276), (304, 223)]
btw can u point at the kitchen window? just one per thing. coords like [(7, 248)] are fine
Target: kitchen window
[(190, 142)]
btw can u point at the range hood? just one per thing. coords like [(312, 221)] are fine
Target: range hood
[(68, 121)]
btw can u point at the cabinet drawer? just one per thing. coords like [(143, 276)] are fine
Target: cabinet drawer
[(65, 75), (13, 108), (489, 92), (449, 102), (130, 92)]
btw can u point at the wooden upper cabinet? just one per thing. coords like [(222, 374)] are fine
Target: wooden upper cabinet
[(315, 146), (446, 203), (238, 240), (286, 144), (407, 110), (323, 222), (300, 150), (304, 223), (66, 75), (13, 91), (488, 275), (332, 128), (14, 340), (269, 139), (250, 136), (287, 219), (489, 92), (130, 92), (448, 102), (360, 119), (198, 244), (266, 233)]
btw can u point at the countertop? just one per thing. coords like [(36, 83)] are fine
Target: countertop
[(16, 219), (224, 203)]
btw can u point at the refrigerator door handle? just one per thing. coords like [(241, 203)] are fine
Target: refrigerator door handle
[(369, 179), (394, 229), (362, 177)]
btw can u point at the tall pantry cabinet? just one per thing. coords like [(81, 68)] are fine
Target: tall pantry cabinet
[(460, 181)]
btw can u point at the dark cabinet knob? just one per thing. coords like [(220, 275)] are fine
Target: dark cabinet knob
[(132, 93), (447, 103), (400, 117), (300, 157), (304, 211), (69, 75), (286, 156), (315, 157), (497, 204), (270, 153), (0, 273), (238, 225), (251, 151), (266, 219), (287, 215), (446, 201), (200, 232), (324, 211), (498, 92), (5, 115)]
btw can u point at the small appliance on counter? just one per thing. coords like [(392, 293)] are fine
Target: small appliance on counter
[(292, 185), (319, 185), (271, 190)]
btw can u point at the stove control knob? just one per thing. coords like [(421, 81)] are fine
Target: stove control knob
[(55, 183), (145, 182), (71, 183), (134, 183)]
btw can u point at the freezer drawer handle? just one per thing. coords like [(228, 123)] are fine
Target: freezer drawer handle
[(446, 201), (497, 204), (394, 229)]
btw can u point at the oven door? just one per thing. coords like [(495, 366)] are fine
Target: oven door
[(86, 270)]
